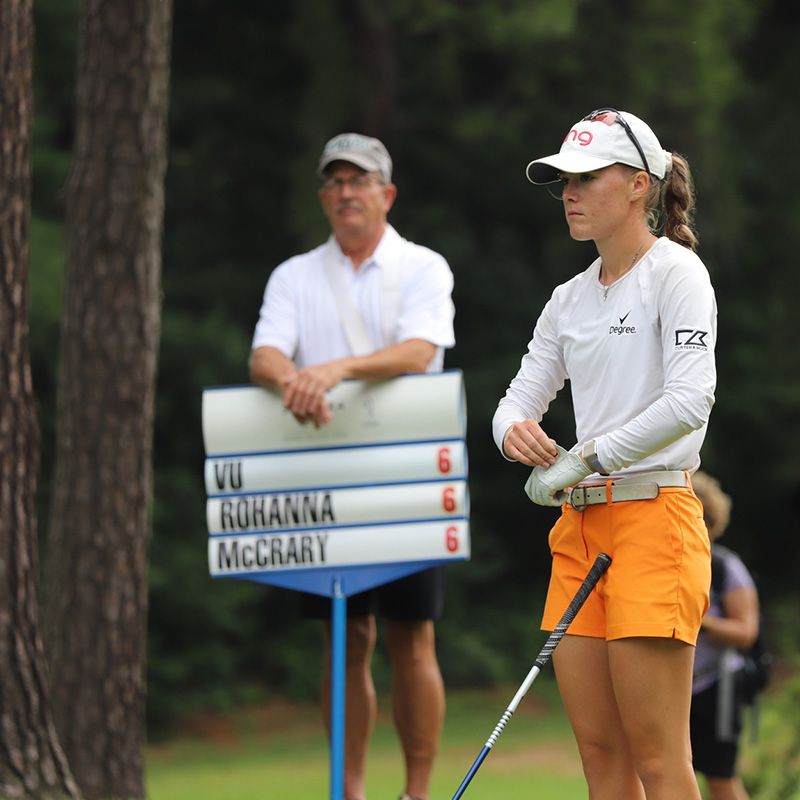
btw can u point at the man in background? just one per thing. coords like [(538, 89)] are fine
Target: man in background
[(366, 305)]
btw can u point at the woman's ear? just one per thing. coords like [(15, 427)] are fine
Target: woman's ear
[(640, 184)]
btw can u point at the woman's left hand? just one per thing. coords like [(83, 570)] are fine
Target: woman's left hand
[(545, 485)]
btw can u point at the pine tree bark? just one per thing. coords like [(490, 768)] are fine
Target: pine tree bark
[(96, 588), (32, 763)]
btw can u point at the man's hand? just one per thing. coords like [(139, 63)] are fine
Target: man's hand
[(304, 392), (545, 485)]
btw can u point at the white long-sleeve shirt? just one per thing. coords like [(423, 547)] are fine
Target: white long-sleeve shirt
[(639, 355)]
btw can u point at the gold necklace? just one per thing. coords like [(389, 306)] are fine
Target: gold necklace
[(627, 269)]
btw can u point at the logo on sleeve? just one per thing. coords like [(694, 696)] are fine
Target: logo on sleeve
[(689, 339)]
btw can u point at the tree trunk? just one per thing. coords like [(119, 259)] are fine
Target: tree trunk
[(376, 56), (96, 590), (32, 763)]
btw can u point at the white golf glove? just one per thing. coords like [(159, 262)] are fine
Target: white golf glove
[(545, 485)]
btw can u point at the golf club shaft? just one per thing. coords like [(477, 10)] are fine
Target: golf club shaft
[(599, 567)]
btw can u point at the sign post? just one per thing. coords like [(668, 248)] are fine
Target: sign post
[(379, 493)]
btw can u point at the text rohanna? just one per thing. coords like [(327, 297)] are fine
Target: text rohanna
[(277, 511)]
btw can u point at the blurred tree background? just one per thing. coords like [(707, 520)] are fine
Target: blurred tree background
[(463, 93)]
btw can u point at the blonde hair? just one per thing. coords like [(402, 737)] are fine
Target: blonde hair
[(716, 504), (674, 198), (678, 202)]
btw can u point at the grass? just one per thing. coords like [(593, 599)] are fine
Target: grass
[(278, 751)]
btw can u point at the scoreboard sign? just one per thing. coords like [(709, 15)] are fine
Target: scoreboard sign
[(383, 485)]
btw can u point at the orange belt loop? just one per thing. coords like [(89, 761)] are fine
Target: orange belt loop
[(608, 493)]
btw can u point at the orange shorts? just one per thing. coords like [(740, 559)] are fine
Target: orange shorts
[(659, 578)]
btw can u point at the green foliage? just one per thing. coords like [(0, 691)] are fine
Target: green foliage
[(464, 94), (775, 771)]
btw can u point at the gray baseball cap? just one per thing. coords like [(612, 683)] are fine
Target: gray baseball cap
[(363, 151)]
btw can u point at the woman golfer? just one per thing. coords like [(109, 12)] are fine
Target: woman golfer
[(634, 334)]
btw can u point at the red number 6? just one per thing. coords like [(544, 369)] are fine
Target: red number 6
[(452, 538)]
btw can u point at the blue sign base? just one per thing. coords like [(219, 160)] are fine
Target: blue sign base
[(354, 579), (338, 584)]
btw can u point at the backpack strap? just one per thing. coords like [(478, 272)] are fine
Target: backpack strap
[(350, 315), (719, 555), (391, 270), (355, 329)]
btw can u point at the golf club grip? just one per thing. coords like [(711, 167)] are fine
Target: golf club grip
[(601, 564)]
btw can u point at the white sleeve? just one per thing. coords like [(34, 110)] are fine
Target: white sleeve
[(427, 308), (541, 375), (277, 324), (687, 313)]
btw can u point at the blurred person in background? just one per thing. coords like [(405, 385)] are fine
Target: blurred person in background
[(304, 345), (729, 626)]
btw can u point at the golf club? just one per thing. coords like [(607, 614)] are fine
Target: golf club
[(599, 567)]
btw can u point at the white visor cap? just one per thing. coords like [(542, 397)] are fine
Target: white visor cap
[(600, 141)]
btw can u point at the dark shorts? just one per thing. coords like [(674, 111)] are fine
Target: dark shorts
[(713, 757), (419, 596)]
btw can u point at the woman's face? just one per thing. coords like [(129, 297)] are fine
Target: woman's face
[(600, 203)]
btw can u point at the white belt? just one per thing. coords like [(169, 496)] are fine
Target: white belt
[(645, 486)]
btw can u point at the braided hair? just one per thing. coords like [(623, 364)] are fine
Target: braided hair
[(674, 198), (678, 203)]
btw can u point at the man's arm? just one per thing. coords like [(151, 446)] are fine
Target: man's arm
[(270, 368), (404, 358)]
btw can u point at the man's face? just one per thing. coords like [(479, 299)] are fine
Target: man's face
[(355, 201)]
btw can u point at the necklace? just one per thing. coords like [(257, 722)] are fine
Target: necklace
[(627, 269)]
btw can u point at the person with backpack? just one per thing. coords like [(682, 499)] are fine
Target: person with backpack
[(730, 626)]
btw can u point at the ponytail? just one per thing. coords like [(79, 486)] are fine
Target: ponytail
[(678, 203)]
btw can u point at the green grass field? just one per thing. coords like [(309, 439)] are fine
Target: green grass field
[(278, 752)]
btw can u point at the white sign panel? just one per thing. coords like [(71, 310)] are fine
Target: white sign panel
[(337, 507), (384, 484), (340, 466), (246, 419), (342, 547)]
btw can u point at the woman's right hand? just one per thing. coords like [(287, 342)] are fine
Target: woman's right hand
[(527, 443)]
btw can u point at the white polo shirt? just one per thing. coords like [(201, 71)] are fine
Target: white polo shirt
[(299, 316), (639, 356)]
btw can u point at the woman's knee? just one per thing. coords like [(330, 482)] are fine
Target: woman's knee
[(656, 765), (608, 763)]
